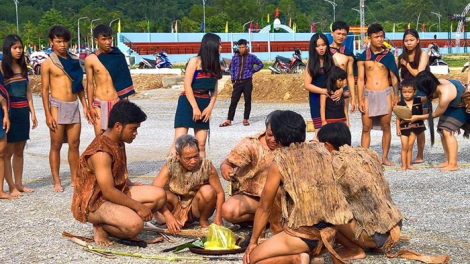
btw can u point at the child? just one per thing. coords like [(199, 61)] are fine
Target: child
[(334, 111), (406, 130)]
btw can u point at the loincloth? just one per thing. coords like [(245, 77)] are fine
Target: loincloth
[(105, 109), (184, 215), (325, 237), (378, 105), (68, 112), (454, 119)]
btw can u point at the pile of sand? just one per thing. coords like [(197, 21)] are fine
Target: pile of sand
[(267, 87)]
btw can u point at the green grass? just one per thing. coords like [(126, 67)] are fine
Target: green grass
[(455, 60)]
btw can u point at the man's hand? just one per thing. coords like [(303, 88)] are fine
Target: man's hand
[(173, 225), (226, 171), (51, 122), (362, 107), (218, 221), (144, 212), (353, 104), (86, 114), (92, 116), (249, 249), (398, 131)]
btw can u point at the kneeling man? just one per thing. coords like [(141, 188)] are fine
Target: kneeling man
[(102, 195), (192, 185), (312, 203)]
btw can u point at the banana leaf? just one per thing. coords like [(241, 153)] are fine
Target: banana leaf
[(195, 244)]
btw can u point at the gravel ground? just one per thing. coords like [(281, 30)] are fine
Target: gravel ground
[(436, 205)]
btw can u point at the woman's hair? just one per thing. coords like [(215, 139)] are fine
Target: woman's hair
[(288, 127), (427, 83), (7, 60), (314, 66), (335, 73), (406, 52), (210, 55), (337, 134)]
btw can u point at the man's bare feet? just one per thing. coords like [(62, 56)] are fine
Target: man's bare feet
[(417, 161), (22, 188), (403, 169), (57, 187), (317, 260), (101, 237), (386, 162), (450, 168), (350, 254), (411, 168), (442, 165), (304, 258), (4, 195), (15, 193)]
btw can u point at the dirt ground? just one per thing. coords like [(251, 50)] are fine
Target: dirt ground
[(266, 87), (142, 82)]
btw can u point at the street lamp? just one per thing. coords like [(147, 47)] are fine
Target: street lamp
[(78, 32), (245, 25), (16, 8), (91, 33), (439, 16), (431, 27), (204, 14), (334, 8), (110, 23)]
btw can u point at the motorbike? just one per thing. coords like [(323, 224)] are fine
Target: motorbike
[(437, 64), (293, 65), (146, 64), (162, 61), (35, 60)]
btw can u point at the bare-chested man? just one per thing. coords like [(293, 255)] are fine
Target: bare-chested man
[(344, 58), (108, 78), (375, 66), (61, 77), (102, 195)]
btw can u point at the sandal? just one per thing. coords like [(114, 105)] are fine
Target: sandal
[(245, 122), (225, 124)]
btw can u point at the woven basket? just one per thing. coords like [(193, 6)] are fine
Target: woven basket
[(402, 112)]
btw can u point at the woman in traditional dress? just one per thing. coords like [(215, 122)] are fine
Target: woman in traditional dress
[(411, 62), (319, 63), (195, 104), (15, 73)]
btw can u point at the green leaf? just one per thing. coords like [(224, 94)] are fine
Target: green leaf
[(196, 244)]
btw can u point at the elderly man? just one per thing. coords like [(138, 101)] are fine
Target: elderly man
[(103, 195), (246, 166), (192, 185)]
